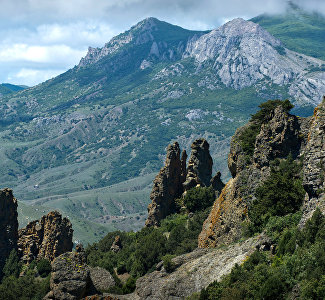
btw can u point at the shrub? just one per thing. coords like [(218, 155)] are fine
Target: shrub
[(168, 263), (282, 193), (199, 198), (44, 267)]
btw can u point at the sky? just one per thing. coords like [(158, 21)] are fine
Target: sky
[(41, 39)]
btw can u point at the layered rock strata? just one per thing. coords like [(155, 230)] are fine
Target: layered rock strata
[(47, 238), (8, 225)]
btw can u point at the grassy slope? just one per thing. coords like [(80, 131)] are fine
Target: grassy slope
[(298, 30)]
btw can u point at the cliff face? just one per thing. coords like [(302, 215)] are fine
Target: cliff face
[(280, 135), (167, 186), (174, 179), (8, 224), (314, 164), (47, 238)]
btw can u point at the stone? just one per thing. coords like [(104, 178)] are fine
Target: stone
[(183, 165), (117, 244), (199, 169), (280, 135), (194, 271), (101, 279), (167, 186), (69, 278), (217, 183), (46, 238), (8, 225)]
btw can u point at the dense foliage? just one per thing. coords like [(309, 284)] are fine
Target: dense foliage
[(248, 136), (142, 250), (26, 287), (282, 193), (297, 269), (197, 198)]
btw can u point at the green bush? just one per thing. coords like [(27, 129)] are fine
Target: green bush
[(12, 266), (199, 198), (168, 264), (281, 194), (299, 262), (44, 267)]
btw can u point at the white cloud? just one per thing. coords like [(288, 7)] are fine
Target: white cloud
[(31, 77), (41, 37)]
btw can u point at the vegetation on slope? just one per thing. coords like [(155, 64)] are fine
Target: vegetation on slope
[(296, 270), (27, 287), (142, 250), (264, 114), (299, 30)]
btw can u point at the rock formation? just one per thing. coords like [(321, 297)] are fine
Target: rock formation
[(47, 238), (8, 225), (314, 164), (73, 279), (199, 169), (117, 244), (280, 135), (194, 271), (174, 178), (167, 186)]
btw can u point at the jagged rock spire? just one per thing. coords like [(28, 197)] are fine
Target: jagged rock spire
[(167, 186), (199, 170)]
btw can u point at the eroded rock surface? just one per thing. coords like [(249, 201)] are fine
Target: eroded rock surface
[(314, 164), (281, 134), (47, 238), (194, 271), (167, 186), (199, 169), (8, 224), (70, 277)]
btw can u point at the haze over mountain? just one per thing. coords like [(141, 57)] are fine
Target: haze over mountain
[(74, 141)]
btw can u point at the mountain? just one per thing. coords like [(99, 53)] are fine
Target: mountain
[(298, 30), (7, 88), (89, 141)]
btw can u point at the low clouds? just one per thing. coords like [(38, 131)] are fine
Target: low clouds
[(42, 38)]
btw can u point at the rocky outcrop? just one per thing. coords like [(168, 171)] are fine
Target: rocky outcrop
[(167, 186), (73, 279), (314, 164), (194, 271), (280, 135), (70, 277), (199, 169), (174, 179), (8, 225), (47, 238), (117, 244)]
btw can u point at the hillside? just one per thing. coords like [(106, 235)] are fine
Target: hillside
[(82, 141), (298, 30), (7, 88)]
